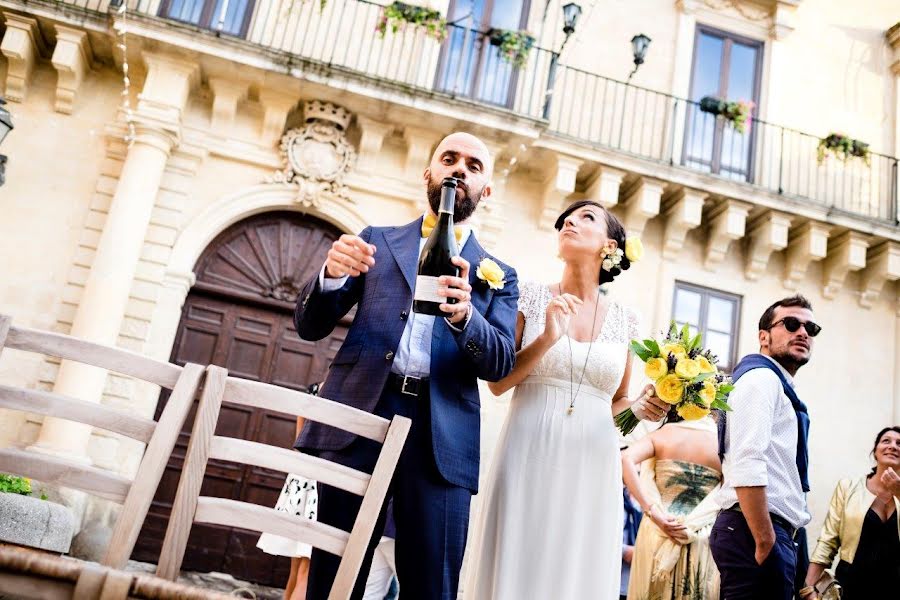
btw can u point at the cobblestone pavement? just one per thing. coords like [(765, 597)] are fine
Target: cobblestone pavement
[(219, 582)]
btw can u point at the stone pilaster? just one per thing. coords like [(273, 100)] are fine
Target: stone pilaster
[(227, 92), (276, 108), (882, 265), (604, 189), (557, 189), (420, 143), (372, 137)]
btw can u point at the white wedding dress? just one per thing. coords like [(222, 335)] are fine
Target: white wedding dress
[(551, 518)]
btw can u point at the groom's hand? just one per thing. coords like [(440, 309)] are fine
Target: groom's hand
[(459, 288), (349, 255)]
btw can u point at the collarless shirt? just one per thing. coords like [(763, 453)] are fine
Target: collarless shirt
[(761, 438)]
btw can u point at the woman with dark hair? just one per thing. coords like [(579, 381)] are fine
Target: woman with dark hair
[(862, 528), (679, 474), (550, 524)]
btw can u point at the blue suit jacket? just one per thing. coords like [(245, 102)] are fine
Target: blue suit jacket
[(359, 371)]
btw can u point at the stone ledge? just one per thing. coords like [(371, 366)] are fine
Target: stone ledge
[(36, 523)]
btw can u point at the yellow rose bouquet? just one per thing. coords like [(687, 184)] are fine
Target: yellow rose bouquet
[(684, 375)]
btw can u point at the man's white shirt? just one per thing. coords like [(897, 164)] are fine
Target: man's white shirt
[(761, 439), (413, 356)]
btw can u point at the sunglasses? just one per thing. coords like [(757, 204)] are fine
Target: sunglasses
[(792, 324)]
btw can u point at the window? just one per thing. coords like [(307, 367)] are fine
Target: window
[(470, 65), (230, 17), (714, 314), (728, 67)]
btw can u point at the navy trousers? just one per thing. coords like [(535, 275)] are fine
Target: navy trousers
[(733, 549), (431, 516)]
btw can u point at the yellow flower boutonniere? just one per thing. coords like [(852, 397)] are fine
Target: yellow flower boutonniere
[(490, 272)]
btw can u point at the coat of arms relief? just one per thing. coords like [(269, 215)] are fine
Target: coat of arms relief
[(318, 156)]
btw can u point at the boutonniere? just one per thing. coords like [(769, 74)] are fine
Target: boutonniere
[(490, 272)]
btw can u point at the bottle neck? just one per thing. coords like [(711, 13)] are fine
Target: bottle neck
[(448, 201)]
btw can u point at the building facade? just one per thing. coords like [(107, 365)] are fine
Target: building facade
[(180, 167)]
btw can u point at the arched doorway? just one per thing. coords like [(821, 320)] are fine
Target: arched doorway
[(239, 315)]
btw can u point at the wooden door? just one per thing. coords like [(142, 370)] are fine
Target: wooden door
[(239, 315)]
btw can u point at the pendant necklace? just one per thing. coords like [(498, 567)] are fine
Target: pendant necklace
[(573, 392)]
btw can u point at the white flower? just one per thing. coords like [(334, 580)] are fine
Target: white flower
[(607, 264)]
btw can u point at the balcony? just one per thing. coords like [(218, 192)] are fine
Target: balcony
[(340, 38)]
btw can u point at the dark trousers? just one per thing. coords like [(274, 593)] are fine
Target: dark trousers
[(431, 515), (733, 549)]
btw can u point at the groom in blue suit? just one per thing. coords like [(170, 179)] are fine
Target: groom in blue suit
[(396, 362)]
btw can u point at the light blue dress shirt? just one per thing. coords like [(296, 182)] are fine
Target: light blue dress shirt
[(413, 356)]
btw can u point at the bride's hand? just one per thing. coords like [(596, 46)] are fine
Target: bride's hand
[(648, 406), (668, 524), (559, 312)]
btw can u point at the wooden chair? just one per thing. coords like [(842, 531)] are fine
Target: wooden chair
[(189, 507), (134, 495)]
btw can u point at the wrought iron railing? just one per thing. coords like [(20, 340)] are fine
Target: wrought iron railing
[(653, 125), (340, 36)]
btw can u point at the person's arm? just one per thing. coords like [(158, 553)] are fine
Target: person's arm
[(750, 434), (635, 454), (320, 305), (830, 538)]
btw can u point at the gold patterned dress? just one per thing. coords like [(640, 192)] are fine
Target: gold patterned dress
[(661, 569)]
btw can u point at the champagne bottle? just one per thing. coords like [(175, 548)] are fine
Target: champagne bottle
[(434, 260)]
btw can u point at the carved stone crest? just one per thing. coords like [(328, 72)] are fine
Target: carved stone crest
[(318, 156)]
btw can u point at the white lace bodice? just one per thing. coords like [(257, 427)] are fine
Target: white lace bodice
[(608, 353)]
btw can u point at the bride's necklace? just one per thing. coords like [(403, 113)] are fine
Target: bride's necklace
[(573, 392)]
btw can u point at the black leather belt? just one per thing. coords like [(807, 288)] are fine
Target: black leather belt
[(776, 520), (408, 386)]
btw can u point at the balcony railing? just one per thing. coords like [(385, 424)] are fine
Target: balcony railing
[(341, 37)]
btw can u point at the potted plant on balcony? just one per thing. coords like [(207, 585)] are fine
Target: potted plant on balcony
[(738, 112), (514, 46), (843, 147), (398, 15), (31, 521)]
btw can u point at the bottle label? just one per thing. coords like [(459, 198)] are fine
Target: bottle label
[(426, 290)]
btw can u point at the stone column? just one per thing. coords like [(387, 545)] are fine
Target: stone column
[(102, 307)]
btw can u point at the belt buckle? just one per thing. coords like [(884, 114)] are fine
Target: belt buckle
[(406, 379)]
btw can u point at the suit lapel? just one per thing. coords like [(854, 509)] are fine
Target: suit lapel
[(403, 242), (481, 293)]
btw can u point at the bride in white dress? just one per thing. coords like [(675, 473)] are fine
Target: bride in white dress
[(550, 525)]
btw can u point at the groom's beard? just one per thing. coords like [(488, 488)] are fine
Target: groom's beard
[(465, 204)]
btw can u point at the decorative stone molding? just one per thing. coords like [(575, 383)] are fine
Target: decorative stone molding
[(166, 89), (419, 144), (276, 106), (778, 16), (318, 156), (727, 222), (883, 264), (807, 243), (22, 45), (767, 234), (605, 187), (557, 188), (226, 94), (893, 38), (72, 59), (372, 137), (642, 203), (683, 211), (846, 253)]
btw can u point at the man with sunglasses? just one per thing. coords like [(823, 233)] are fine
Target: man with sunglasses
[(763, 445)]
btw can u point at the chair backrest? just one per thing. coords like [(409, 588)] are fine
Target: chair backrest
[(189, 507), (160, 436)]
